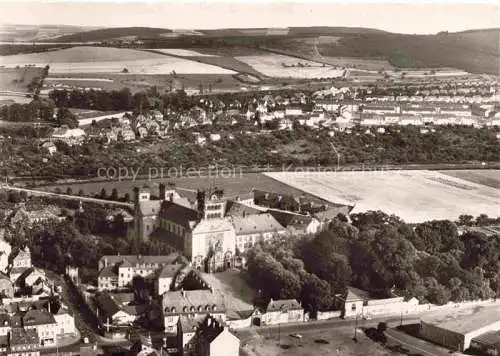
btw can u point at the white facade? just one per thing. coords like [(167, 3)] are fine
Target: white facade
[(65, 324), (225, 344)]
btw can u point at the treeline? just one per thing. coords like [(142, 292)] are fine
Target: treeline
[(380, 254), (80, 240)]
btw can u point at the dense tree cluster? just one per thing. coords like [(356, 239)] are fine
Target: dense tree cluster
[(79, 240), (380, 254)]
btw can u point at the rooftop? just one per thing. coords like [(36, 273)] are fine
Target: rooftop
[(256, 224), (38, 317), (203, 300), (20, 336), (283, 304), (212, 225), (465, 321)]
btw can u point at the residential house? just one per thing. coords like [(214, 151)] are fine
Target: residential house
[(117, 272), (239, 319), (285, 124), (283, 311), (23, 342), (50, 147), (22, 258), (326, 216), (212, 338), (44, 323), (165, 277), (186, 330), (67, 135), (112, 311), (294, 111), (4, 324), (192, 303), (356, 302), (5, 251), (65, 323), (6, 287)]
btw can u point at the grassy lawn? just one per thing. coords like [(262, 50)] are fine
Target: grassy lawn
[(317, 343), (235, 184)]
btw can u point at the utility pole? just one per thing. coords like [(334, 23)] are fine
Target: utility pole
[(356, 329)]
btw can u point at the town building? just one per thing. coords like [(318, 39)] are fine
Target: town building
[(457, 332), (117, 272), (166, 276), (23, 342), (5, 251), (282, 311), (212, 338), (44, 323), (191, 303), (253, 228)]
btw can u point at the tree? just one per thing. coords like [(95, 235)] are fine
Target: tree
[(69, 191), (124, 70), (103, 194), (14, 196), (114, 195)]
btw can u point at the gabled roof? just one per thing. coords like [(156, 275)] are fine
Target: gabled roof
[(283, 304), (19, 336), (179, 214), (233, 208), (107, 304), (354, 294), (188, 324), (109, 271), (35, 317), (169, 271), (201, 300), (253, 224), (290, 219)]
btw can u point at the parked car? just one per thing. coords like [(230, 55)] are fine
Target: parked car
[(297, 336)]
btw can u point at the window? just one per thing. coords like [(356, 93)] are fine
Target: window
[(353, 307)]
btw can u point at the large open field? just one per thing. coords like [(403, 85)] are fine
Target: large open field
[(17, 79), (138, 82), (88, 59), (276, 65), (231, 185), (415, 196)]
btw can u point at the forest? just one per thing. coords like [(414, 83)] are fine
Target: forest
[(379, 254)]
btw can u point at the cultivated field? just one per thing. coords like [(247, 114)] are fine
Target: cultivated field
[(318, 343), (489, 177), (415, 196), (17, 79), (138, 82), (276, 65), (90, 59), (181, 52)]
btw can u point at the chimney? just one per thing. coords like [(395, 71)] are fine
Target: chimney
[(162, 191)]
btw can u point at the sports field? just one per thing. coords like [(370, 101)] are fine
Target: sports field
[(415, 196)]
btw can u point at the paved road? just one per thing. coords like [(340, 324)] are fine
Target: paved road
[(69, 197), (415, 345), (276, 330)]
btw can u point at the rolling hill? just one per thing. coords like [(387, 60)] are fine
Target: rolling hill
[(113, 33)]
